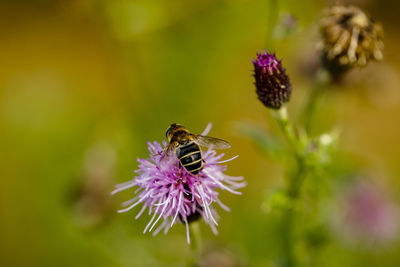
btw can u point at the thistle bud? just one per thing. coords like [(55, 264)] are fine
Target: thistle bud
[(273, 86), (350, 38)]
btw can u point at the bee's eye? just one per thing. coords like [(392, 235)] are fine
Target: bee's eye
[(167, 132)]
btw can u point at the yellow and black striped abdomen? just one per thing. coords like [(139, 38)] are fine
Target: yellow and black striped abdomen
[(189, 156)]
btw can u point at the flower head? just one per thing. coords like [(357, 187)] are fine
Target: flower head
[(350, 38), (368, 214), (175, 195), (273, 86)]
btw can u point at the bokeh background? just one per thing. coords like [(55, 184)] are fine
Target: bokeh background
[(85, 83)]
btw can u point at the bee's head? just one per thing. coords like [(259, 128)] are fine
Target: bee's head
[(172, 129)]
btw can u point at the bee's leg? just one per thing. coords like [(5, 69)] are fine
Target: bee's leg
[(204, 163), (180, 169), (202, 166), (161, 153)]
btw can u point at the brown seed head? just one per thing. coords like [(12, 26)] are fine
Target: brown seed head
[(350, 38)]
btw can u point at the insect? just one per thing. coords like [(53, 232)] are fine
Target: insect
[(186, 146)]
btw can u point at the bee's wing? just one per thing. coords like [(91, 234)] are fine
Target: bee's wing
[(208, 141)]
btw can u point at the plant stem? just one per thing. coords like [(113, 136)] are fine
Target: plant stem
[(294, 185), (273, 11), (317, 89), (195, 234), (195, 242), (282, 118)]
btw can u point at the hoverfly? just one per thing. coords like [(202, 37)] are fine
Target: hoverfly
[(187, 147)]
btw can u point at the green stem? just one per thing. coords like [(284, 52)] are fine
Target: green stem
[(195, 243), (297, 146), (273, 11), (294, 185), (195, 235), (317, 90), (282, 118)]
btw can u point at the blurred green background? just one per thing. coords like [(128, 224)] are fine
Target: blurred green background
[(85, 83)]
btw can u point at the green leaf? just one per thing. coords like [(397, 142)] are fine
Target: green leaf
[(277, 199), (269, 144)]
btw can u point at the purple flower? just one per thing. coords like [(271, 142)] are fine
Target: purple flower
[(179, 197), (271, 81), (367, 213)]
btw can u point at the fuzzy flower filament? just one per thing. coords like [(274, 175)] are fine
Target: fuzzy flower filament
[(174, 195)]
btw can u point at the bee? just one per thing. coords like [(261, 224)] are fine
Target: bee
[(186, 147)]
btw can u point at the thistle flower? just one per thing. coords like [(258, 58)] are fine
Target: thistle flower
[(350, 38), (273, 86), (367, 214), (179, 196)]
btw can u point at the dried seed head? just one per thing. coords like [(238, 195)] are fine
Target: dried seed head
[(271, 81), (350, 38)]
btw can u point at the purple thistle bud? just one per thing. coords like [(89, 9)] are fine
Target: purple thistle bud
[(271, 81), (175, 195)]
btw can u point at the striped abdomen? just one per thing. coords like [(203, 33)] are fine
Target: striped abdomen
[(189, 156)]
